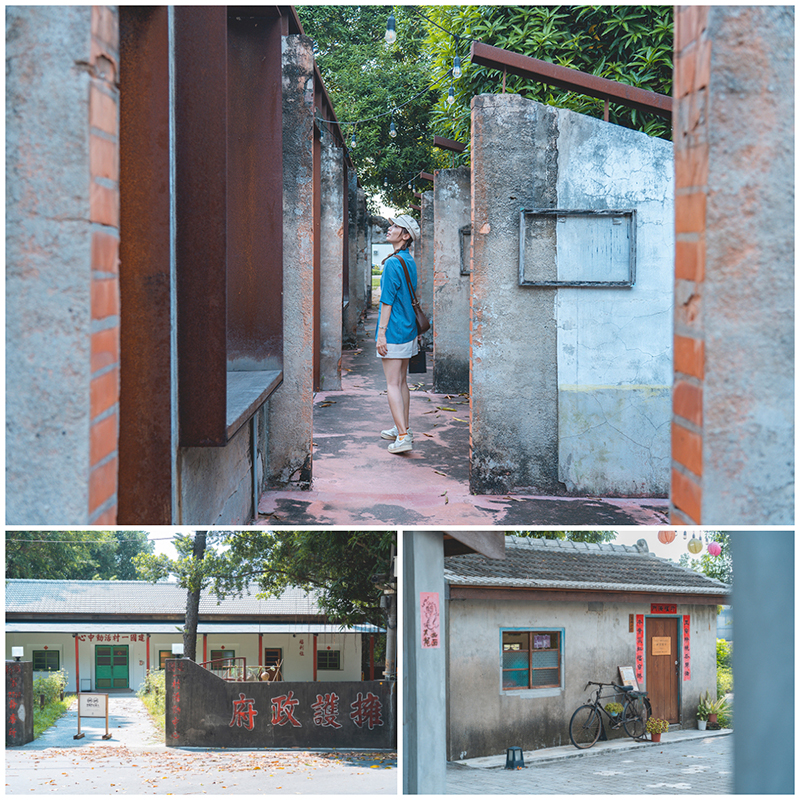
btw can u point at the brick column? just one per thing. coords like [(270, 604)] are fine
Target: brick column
[(104, 218), (692, 65)]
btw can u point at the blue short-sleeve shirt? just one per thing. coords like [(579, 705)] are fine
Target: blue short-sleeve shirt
[(402, 326)]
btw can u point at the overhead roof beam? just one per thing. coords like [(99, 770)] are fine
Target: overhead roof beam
[(571, 79)]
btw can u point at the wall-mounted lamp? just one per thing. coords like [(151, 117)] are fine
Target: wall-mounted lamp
[(17, 653), (177, 649)]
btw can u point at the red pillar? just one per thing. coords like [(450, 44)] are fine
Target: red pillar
[(314, 656), (147, 662), (77, 666), (205, 647)]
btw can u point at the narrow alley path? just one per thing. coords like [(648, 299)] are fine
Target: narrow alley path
[(357, 481)]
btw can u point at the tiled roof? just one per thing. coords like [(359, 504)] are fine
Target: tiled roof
[(556, 564), (141, 598)]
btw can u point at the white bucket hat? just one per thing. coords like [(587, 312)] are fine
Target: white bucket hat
[(407, 222)]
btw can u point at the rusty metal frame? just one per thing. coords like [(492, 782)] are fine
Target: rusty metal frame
[(466, 262), (629, 214), (448, 144), (573, 80), (146, 443)]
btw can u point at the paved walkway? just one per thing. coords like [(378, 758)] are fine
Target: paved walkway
[(685, 762), (357, 481), (136, 761)]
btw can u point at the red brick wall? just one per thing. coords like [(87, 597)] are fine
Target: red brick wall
[(104, 216), (690, 131)]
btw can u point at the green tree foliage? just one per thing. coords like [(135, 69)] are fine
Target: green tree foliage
[(74, 555), (630, 44), (366, 79), (340, 565), (719, 567), (593, 537)]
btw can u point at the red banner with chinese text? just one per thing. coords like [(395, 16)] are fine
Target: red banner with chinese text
[(687, 651), (640, 649)]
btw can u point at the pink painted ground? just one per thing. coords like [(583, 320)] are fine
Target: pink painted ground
[(358, 482)]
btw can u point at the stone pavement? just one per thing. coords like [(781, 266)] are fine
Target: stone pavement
[(136, 761), (355, 479), (685, 762)]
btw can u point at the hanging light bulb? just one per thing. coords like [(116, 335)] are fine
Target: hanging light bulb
[(385, 181), (451, 96), (456, 67), (391, 34), (392, 130)]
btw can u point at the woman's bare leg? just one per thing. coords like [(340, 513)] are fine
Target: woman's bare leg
[(396, 370)]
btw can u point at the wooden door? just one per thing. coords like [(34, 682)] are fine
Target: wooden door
[(662, 667)]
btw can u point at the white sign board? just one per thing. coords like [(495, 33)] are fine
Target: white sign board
[(92, 705)]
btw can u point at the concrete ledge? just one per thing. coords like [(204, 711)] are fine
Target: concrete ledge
[(549, 754)]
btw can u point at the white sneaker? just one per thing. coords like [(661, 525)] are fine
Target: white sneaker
[(401, 444), (392, 434)]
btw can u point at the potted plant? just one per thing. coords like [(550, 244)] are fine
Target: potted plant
[(703, 712), (655, 727), (614, 708), (716, 707)]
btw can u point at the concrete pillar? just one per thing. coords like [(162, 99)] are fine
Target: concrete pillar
[(19, 703), (733, 421), (763, 601), (290, 427), (423, 255), (424, 667), (356, 287), (51, 307), (513, 385), (451, 265), (332, 234), (363, 251)]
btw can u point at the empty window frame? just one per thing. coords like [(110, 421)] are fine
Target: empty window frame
[(531, 659), (46, 660), (329, 659), (578, 248)]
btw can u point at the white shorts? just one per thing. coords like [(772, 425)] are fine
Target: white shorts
[(400, 350)]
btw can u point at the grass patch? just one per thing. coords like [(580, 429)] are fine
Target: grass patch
[(46, 716), (153, 694)]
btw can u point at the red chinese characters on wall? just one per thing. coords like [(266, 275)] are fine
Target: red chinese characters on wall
[(663, 608), (283, 710), (112, 637), (244, 712), (366, 710), (302, 647), (429, 619), (326, 710), (687, 649), (639, 649)]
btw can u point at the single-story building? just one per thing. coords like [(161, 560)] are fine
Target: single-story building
[(526, 634), (114, 632)]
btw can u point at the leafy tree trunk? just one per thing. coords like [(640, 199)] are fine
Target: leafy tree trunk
[(193, 597)]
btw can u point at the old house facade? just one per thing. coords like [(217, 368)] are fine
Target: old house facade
[(526, 634), (106, 635)]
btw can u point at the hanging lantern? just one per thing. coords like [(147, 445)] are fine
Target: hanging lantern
[(695, 545), (714, 549), (666, 537)]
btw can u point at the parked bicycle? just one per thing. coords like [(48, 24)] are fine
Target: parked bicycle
[(586, 725)]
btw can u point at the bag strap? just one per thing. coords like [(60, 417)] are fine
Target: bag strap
[(414, 300)]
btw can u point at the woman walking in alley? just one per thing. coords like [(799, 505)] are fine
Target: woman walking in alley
[(396, 333)]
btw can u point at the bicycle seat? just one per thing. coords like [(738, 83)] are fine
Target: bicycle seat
[(625, 688)]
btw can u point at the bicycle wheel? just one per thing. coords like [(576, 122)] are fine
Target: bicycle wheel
[(585, 727), (634, 716)]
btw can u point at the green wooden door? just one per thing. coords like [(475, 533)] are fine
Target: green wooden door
[(111, 666)]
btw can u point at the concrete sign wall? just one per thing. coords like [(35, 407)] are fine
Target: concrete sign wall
[(19, 703), (570, 387), (202, 710)]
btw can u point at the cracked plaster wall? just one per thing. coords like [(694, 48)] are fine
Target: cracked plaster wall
[(615, 344)]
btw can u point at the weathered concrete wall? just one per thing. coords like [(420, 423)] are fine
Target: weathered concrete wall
[(733, 424), (19, 703), (332, 234), (615, 345), (452, 210), (596, 640), (291, 406), (425, 679), (216, 485), (513, 384), (423, 255), (202, 710), (48, 264), (569, 386)]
